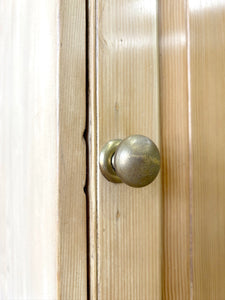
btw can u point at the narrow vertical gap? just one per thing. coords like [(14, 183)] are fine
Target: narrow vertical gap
[(85, 136), (190, 152), (91, 137)]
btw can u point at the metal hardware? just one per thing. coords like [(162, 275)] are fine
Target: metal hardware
[(134, 161)]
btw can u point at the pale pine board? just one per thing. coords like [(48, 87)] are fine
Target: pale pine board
[(42, 204), (129, 221), (192, 46), (72, 151), (207, 101), (175, 148)]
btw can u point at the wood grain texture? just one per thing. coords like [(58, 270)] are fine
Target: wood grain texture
[(129, 220), (92, 149), (207, 90), (28, 151), (175, 148), (72, 151), (42, 153)]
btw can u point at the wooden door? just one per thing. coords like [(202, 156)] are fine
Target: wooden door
[(166, 240), (127, 247), (76, 74)]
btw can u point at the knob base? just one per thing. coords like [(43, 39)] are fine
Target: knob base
[(105, 160)]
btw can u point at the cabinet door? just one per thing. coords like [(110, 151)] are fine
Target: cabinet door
[(76, 74), (125, 223), (167, 239)]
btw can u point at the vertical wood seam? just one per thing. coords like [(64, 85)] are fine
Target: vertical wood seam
[(92, 141), (58, 292), (85, 136)]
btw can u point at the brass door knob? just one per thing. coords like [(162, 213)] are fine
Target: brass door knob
[(134, 161)]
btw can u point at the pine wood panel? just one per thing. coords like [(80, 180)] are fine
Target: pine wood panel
[(28, 151), (207, 90), (72, 151), (129, 229), (175, 148), (42, 155)]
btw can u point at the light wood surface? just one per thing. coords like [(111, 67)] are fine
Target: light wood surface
[(129, 221), (92, 149), (207, 137), (175, 148), (72, 151), (43, 251), (138, 249), (28, 151), (192, 89)]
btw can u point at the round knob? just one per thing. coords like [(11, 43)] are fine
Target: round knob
[(134, 161)]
